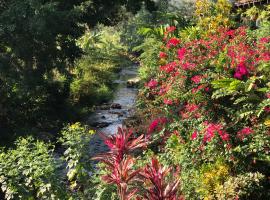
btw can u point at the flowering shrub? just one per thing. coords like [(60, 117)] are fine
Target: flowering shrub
[(213, 91)]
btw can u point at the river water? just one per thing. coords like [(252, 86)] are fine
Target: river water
[(107, 118)]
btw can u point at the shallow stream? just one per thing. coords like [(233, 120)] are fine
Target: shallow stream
[(108, 117)]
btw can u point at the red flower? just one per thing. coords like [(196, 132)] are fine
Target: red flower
[(264, 40), (212, 129), (172, 42), (196, 89), (170, 29), (162, 55), (188, 66), (168, 101), (225, 136), (207, 89), (181, 53), (266, 56), (241, 71), (152, 83), (244, 132), (267, 109), (194, 135), (230, 32), (196, 79), (153, 126), (170, 67), (191, 107)]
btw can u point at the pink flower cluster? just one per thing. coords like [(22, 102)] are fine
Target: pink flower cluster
[(244, 132), (168, 101), (152, 83), (212, 129), (241, 71), (181, 53), (162, 55), (154, 125), (194, 135), (190, 110), (170, 67), (197, 79), (172, 42)]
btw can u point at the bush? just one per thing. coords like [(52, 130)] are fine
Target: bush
[(30, 171), (212, 98), (33, 170), (75, 139)]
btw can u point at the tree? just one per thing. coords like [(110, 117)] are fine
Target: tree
[(37, 47)]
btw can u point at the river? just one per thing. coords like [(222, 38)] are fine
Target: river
[(108, 117)]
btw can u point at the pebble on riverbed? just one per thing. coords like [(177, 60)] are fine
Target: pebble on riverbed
[(116, 106)]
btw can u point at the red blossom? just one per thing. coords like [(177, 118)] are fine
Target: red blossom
[(153, 126), (181, 53), (168, 101), (170, 67), (207, 89), (191, 107), (188, 66), (194, 135), (172, 42), (267, 109), (230, 32), (152, 83), (196, 89), (197, 79), (265, 56), (241, 71), (244, 132), (212, 129), (264, 40), (162, 55)]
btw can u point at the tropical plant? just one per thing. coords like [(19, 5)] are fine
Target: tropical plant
[(118, 164), (30, 171), (159, 189), (75, 139)]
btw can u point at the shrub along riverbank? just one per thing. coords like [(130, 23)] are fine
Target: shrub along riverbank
[(204, 111)]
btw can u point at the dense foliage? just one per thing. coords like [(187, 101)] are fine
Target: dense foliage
[(38, 51), (208, 98), (35, 170)]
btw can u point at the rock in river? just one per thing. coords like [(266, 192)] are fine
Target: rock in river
[(134, 82), (116, 106), (100, 124)]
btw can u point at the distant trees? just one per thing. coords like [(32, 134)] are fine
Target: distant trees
[(37, 46), (38, 50)]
